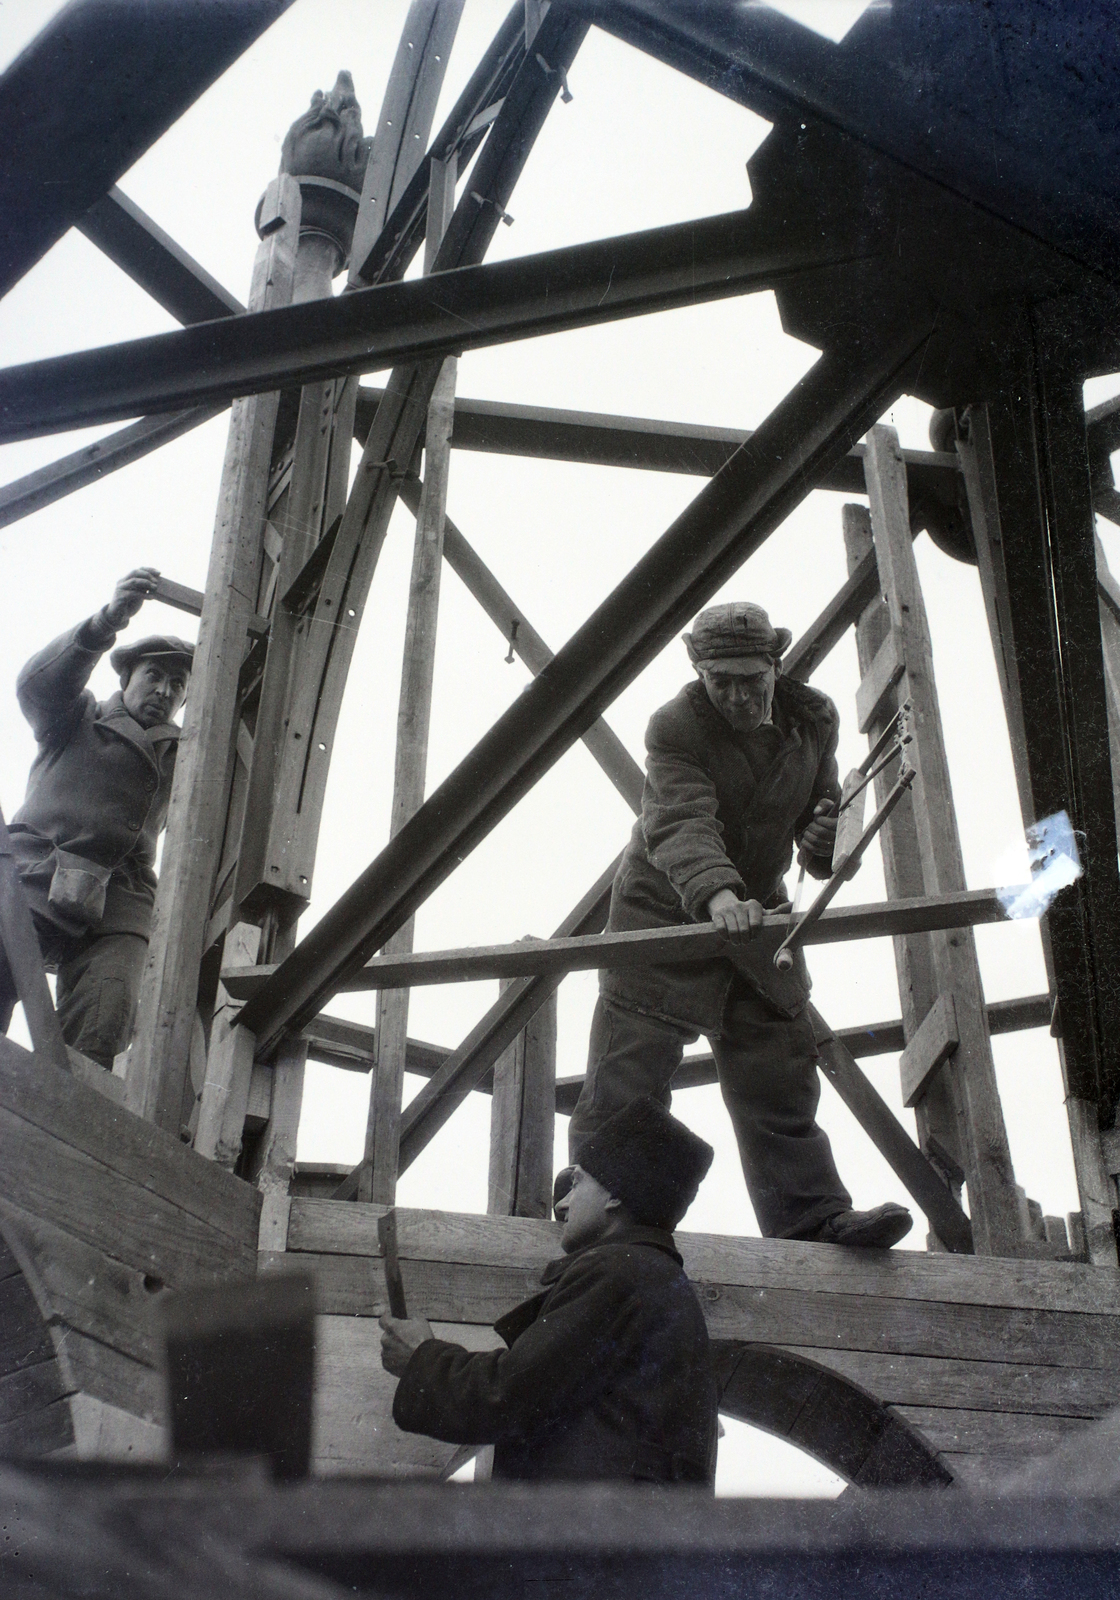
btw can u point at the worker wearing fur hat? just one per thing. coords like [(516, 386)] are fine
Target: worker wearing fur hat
[(740, 771), (607, 1372), (97, 797)]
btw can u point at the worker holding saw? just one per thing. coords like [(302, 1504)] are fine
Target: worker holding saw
[(741, 770)]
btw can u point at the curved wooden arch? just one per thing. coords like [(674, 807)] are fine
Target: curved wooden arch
[(826, 1415)]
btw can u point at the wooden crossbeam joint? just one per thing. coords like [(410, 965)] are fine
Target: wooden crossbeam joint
[(932, 1045), (885, 671)]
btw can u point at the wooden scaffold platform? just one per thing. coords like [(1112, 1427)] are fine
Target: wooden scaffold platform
[(915, 269)]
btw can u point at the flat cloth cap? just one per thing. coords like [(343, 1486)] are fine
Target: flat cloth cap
[(736, 629), (649, 1161), (125, 657)]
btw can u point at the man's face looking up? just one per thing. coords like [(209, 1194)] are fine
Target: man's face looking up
[(742, 691), (156, 688)]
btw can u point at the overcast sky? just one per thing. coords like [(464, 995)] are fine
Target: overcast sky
[(638, 147)]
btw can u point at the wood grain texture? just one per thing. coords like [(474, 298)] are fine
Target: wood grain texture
[(77, 1284), (993, 1206), (90, 1367), (128, 1222), (975, 1385), (138, 1153), (990, 1432), (337, 1227), (353, 1428)]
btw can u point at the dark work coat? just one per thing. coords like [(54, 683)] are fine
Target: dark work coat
[(710, 821), (608, 1374), (99, 786)]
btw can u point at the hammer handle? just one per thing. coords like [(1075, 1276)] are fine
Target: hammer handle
[(394, 1283)]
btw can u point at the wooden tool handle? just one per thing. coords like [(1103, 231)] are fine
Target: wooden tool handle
[(394, 1283)]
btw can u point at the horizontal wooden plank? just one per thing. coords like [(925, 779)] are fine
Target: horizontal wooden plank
[(929, 1049), (989, 1432), (526, 1243), (126, 1220), (801, 1318), (974, 1385), (345, 1286), (813, 1319), (881, 676), (141, 1153), (699, 942), (78, 1284)]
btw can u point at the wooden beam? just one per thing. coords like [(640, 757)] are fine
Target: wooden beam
[(729, 519), (158, 1061), (382, 1144), (405, 122), (993, 1206), (106, 81), (388, 325), (935, 1114), (139, 246), (965, 908), (465, 1067), (1026, 446), (929, 1049), (95, 461), (598, 439), (525, 642), (523, 1120), (872, 1039), (891, 1139), (319, 672)]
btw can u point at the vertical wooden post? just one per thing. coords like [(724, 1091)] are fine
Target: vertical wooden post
[(1048, 690), (523, 1119), (378, 1180), (159, 1059), (229, 1062), (992, 1201), (935, 1112)]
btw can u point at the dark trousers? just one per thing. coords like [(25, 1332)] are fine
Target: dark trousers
[(96, 991), (768, 1077)]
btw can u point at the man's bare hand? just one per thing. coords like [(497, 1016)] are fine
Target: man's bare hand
[(129, 596), (738, 920), (820, 836), (400, 1336)]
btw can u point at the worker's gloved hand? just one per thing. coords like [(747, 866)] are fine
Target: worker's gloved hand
[(820, 836), (738, 920), (400, 1336), (129, 595)]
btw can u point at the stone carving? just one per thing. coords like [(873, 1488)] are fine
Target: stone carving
[(326, 151)]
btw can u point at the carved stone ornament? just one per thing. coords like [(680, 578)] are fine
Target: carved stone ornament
[(326, 152)]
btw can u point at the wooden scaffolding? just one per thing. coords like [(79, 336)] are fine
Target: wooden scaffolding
[(912, 272)]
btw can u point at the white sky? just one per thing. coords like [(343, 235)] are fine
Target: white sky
[(639, 146)]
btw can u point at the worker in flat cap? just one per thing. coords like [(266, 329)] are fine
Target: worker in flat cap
[(740, 772), (97, 797), (607, 1372)]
